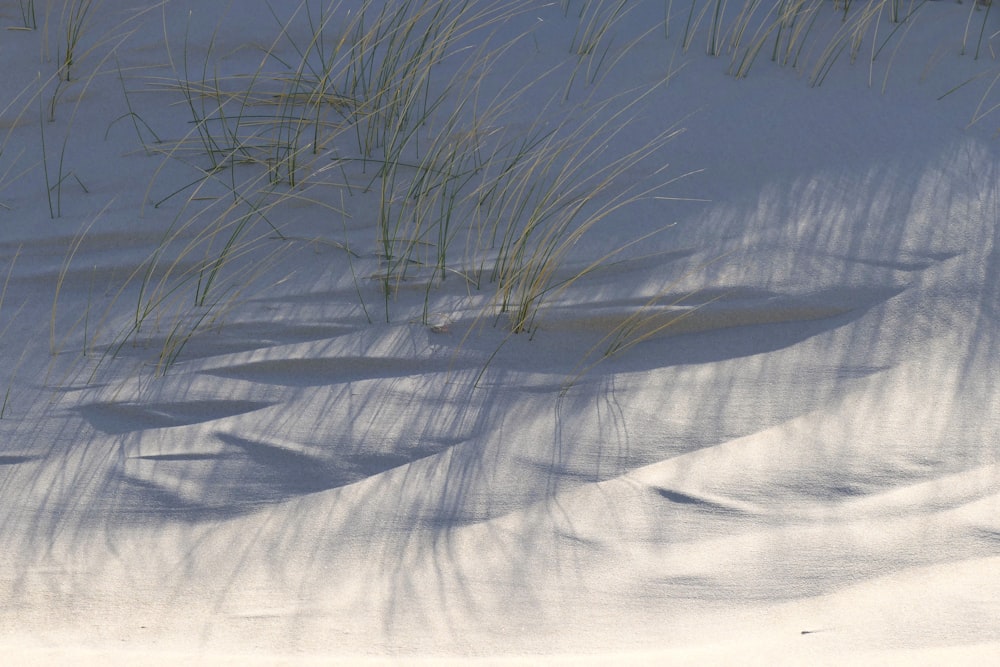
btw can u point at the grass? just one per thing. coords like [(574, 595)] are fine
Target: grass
[(74, 19), (398, 112), (785, 29), (6, 327), (28, 17), (368, 95), (46, 92), (552, 202)]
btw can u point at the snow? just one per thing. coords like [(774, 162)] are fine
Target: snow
[(792, 460)]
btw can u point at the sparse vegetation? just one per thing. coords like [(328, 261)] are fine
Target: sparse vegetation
[(391, 94), (376, 112)]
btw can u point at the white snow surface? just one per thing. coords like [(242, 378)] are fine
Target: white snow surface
[(803, 470)]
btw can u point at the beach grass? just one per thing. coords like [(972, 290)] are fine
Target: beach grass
[(390, 115)]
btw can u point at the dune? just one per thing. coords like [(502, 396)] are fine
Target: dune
[(601, 355)]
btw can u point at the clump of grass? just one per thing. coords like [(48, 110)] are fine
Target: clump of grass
[(366, 92), (556, 196), (75, 16), (592, 40), (787, 29), (787, 32)]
